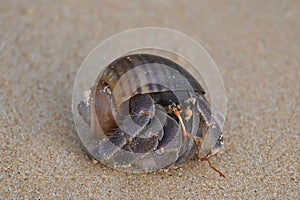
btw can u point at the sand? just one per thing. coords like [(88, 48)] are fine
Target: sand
[(256, 45)]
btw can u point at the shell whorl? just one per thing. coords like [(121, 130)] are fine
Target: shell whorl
[(145, 73)]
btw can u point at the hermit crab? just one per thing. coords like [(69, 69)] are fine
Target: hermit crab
[(147, 113)]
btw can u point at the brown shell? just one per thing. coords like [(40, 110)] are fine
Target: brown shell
[(145, 73)]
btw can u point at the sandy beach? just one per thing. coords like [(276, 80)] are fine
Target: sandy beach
[(256, 46)]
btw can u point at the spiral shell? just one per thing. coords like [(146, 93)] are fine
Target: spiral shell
[(144, 112)]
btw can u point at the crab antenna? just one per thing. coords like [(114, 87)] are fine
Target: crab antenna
[(185, 133), (176, 112), (215, 169)]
